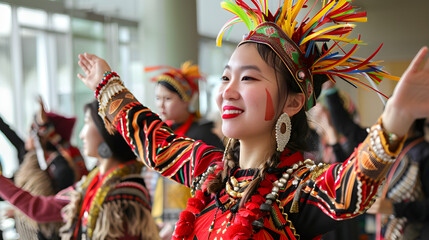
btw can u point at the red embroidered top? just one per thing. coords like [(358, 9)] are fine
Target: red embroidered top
[(328, 193), (48, 208)]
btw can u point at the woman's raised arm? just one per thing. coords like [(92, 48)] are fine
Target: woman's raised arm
[(179, 158), (410, 98)]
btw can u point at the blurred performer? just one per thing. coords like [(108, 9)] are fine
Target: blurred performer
[(111, 203), (45, 169), (177, 100)]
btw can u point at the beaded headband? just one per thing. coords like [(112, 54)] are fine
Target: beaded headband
[(295, 43), (183, 80)]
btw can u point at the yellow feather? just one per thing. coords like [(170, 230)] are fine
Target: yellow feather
[(339, 4), (337, 63), (362, 19), (334, 48), (288, 16), (281, 18), (311, 36), (385, 75), (318, 16), (297, 8)]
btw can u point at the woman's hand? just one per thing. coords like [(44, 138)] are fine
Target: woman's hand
[(410, 98), (93, 68)]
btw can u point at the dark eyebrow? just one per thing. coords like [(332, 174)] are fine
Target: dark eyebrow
[(245, 67)]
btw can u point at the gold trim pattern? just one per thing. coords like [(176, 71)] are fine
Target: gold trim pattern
[(286, 217), (174, 83), (107, 186)]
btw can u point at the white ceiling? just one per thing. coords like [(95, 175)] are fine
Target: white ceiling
[(403, 26), (126, 9)]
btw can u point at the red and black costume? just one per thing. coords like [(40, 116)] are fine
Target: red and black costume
[(326, 193)]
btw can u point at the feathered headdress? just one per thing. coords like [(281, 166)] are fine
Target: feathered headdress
[(183, 80), (295, 43)]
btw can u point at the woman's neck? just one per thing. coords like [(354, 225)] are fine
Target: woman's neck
[(106, 164), (254, 152), (182, 119)]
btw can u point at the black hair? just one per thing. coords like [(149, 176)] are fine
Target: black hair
[(120, 149), (169, 87), (287, 85), (418, 127)]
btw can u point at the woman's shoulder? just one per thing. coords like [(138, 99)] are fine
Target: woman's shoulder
[(203, 130), (130, 188), (202, 123), (130, 201), (134, 181)]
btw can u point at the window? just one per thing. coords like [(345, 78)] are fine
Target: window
[(7, 151), (38, 56), (213, 62), (32, 17)]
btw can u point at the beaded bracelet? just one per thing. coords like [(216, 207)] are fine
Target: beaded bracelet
[(110, 90), (392, 137), (380, 145), (106, 77), (111, 81)]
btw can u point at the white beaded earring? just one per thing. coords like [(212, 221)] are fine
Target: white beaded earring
[(283, 129)]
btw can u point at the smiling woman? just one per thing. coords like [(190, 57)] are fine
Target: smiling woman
[(255, 189), (255, 93)]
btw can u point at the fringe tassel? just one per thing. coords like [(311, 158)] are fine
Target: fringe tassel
[(70, 213), (109, 126), (114, 216), (295, 203), (31, 178)]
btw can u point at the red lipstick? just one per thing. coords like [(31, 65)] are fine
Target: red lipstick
[(231, 112)]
